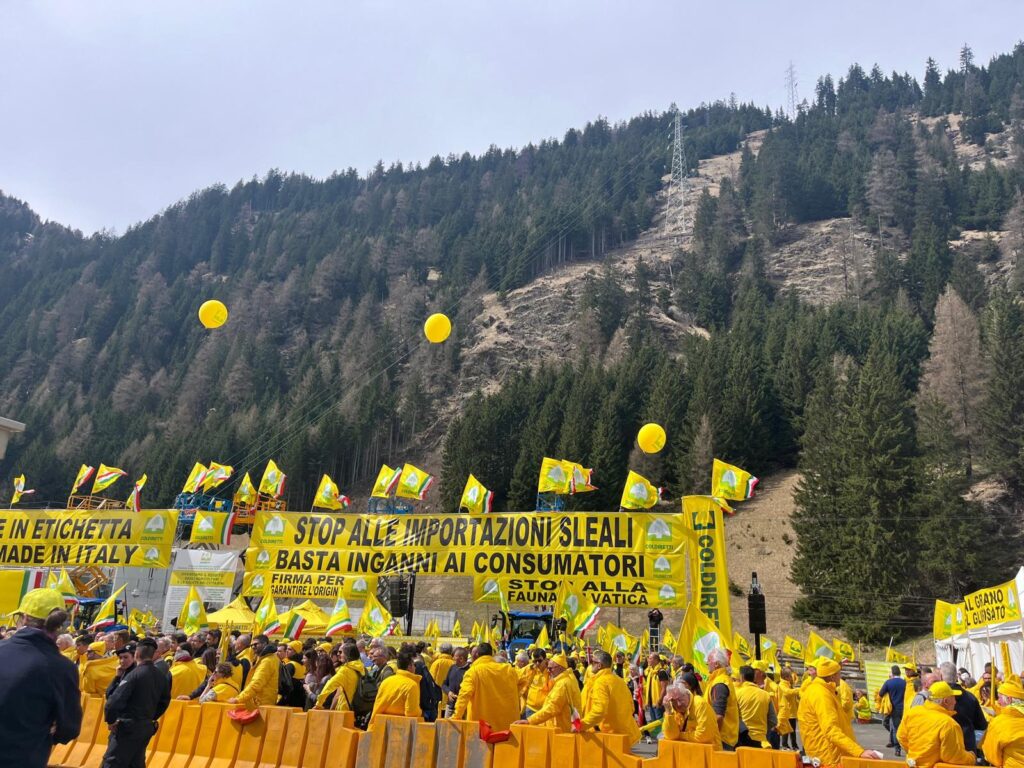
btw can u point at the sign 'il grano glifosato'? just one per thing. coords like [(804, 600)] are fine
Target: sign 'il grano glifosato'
[(577, 545)]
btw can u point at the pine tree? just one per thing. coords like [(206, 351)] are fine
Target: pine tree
[(1003, 409)]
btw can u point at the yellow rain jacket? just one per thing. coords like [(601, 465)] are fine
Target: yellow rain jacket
[(94, 675), (698, 724), (186, 676), (261, 689), (652, 688), (561, 700), (439, 667), (931, 735), (729, 730), (821, 720), (845, 693), (344, 681), (609, 706), (753, 703), (398, 695), (537, 687), (1004, 739), (489, 692), (789, 700)]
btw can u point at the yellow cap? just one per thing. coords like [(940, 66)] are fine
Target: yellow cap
[(1012, 689), (760, 665), (325, 647), (98, 647), (295, 646), (941, 690), (826, 667), (560, 660), (40, 603)]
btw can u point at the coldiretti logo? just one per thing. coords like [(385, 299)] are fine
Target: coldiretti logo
[(274, 527), (659, 535), (667, 594)]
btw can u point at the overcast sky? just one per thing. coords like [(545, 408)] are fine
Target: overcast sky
[(114, 110)]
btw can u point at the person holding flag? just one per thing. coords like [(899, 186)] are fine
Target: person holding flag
[(562, 705)]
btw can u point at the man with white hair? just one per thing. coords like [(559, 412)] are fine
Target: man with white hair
[(930, 734), (969, 715), (722, 696), (689, 717), (1004, 740)]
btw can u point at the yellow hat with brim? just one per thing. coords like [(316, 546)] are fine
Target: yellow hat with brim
[(325, 647), (40, 603), (98, 647), (942, 690), (910, 668), (560, 660), (826, 667), (295, 646), (760, 666), (1011, 689)]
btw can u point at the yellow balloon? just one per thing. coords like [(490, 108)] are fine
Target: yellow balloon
[(213, 314), (437, 328), (651, 438)]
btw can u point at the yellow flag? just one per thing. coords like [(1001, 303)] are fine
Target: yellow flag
[(543, 641), (106, 477), (51, 580), (942, 622), (698, 636), (553, 477), (413, 483), (66, 587), (328, 496), (731, 482), (894, 657), (387, 479), (134, 501), (457, 629), (192, 618), (579, 477), (267, 620), (19, 489), (106, 616), (578, 610), (195, 478), (84, 473), (212, 527), (475, 497), (273, 480), (340, 621), (709, 574), (741, 646), (375, 619), (668, 640), (433, 631), (816, 646), (844, 651), (215, 475), (769, 651), (792, 647), (616, 640), (246, 493), (639, 493)]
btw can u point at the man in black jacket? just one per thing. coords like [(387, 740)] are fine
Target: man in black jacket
[(133, 708), (40, 703), (968, 715)]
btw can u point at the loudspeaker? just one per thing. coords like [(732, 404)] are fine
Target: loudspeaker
[(393, 592), (756, 614)]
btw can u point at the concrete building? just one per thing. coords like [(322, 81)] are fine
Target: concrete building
[(8, 427)]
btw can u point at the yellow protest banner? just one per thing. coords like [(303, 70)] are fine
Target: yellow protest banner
[(314, 586), (709, 576), (993, 605), (109, 538), (643, 593), (643, 533)]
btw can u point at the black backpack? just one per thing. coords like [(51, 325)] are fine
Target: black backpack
[(366, 691), (284, 681)]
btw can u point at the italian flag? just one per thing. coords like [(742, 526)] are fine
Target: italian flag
[(342, 625), (225, 535), (295, 626)]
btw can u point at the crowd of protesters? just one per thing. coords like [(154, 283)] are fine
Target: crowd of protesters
[(935, 715)]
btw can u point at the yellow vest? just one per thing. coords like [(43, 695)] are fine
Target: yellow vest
[(753, 703), (730, 728)]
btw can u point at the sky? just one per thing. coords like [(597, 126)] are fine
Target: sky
[(113, 111)]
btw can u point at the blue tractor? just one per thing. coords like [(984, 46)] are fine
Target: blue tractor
[(520, 629)]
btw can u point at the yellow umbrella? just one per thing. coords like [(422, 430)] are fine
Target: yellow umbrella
[(235, 614)]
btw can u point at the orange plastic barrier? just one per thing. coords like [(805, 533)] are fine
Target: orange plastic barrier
[(226, 748), (276, 722), (92, 716), (856, 762), (294, 741), (166, 735), (99, 746)]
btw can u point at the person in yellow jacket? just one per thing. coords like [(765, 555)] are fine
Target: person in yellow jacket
[(187, 674), (563, 703), (688, 717), (399, 694), (344, 681), (845, 693), (721, 694), (261, 687), (929, 733), (538, 683), (827, 735), (607, 703), (656, 678), (96, 671), (1004, 739), (221, 685), (757, 712), (862, 709), (489, 692), (442, 663), (789, 700)]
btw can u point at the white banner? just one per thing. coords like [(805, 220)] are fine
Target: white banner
[(212, 573)]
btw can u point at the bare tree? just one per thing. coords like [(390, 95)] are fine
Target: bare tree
[(954, 373)]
